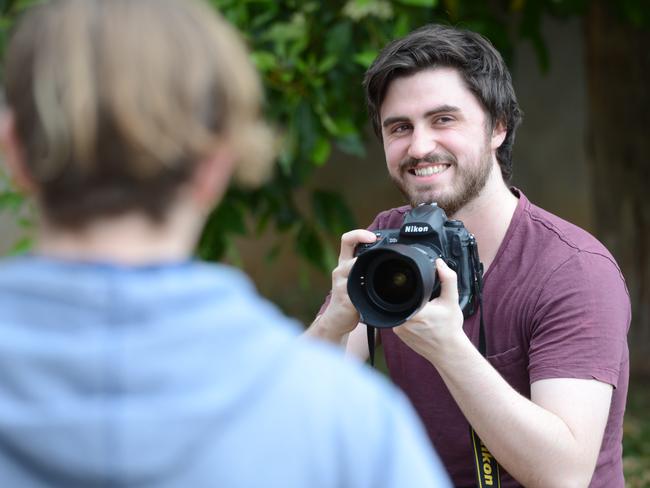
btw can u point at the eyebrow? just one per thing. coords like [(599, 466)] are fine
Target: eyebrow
[(437, 110)]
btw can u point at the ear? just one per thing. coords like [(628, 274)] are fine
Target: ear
[(212, 176), (499, 133), (14, 155)]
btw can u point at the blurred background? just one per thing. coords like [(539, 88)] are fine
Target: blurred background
[(580, 70)]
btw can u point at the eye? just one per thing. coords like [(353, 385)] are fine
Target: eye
[(399, 128), (443, 119)]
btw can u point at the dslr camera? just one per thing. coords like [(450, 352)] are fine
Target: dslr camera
[(394, 277)]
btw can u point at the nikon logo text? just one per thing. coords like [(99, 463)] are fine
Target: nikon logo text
[(416, 229), (486, 459)]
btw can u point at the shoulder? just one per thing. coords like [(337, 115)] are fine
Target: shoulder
[(567, 234), (557, 242), (365, 413), (551, 265), (343, 390), (579, 283), (389, 219)]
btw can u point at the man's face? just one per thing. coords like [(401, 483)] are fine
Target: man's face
[(435, 139)]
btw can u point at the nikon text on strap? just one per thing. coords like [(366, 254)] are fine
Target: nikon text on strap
[(487, 468)]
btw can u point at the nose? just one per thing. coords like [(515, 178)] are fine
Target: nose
[(422, 143)]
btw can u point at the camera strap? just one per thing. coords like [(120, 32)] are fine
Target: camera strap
[(487, 468), (370, 331)]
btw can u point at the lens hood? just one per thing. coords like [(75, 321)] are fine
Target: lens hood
[(388, 285)]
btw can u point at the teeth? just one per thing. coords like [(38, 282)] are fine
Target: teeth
[(429, 170)]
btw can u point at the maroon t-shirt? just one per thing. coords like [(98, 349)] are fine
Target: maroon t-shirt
[(555, 305)]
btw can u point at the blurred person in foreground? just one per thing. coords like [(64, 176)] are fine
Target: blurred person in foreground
[(548, 400), (123, 361)]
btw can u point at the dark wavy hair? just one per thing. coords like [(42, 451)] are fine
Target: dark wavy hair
[(475, 58)]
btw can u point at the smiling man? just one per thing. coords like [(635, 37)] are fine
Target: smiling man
[(548, 399)]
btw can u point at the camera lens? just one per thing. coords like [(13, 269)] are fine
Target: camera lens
[(389, 284), (393, 281)]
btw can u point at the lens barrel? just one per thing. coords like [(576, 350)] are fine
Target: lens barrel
[(388, 285)]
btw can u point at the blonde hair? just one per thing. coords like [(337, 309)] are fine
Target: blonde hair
[(115, 102)]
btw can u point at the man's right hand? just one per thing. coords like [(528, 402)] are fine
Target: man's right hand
[(340, 316)]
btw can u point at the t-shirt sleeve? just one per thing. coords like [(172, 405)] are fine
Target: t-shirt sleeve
[(581, 321)]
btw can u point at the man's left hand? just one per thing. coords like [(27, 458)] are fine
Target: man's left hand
[(439, 321)]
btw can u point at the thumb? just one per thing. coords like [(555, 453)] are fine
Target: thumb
[(448, 282)]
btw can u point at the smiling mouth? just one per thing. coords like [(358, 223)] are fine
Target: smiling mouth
[(428, 170)]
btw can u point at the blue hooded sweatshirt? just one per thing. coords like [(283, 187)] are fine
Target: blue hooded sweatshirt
[(180, 375)]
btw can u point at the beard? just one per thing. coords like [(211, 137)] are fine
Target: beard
[(468, 182)]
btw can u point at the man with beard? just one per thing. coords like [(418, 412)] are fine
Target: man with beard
[(548, 400)]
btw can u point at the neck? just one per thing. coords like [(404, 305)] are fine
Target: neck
[(131, 239), (488, 216)]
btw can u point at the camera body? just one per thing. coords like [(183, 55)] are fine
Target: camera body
[(394, 277)]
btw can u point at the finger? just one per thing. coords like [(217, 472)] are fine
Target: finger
[(349, 240), (448, 282), (344, 268)]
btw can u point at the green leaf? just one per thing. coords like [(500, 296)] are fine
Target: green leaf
[(310, 246), (22, 246), (287, 31), (420, 3), (352, 144), (347, 127), (273, 253), (306, 127), (403, 25), (303, 277), (327, 63), (359, 10), (365, 58), (10, 200), (321, 151), (26, 222), (328, 122), (232, 254), (331, 212), (289, 150), (636, 12), (264, 60), (339, 39), (230, 217)]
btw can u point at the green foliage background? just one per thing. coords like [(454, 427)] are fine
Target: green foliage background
[(312, 55)]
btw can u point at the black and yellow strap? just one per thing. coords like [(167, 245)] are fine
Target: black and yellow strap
[(487, 468)]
